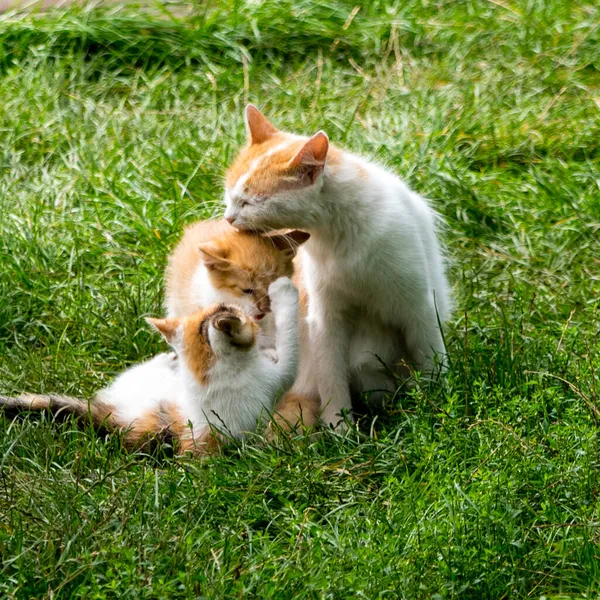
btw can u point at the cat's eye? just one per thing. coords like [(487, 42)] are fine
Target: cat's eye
[(248, 291), (244, 204)]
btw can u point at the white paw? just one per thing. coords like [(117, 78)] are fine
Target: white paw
[(282, 293)]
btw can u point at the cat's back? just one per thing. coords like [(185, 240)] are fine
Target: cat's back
[(184, 262), (141, 387)]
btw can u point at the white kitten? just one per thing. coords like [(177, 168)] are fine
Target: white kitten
[(218, 379)]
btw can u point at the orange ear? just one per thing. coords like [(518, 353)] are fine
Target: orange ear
[(288, 242), (259, 128), (213, 257), (313, 153), (166, 327)]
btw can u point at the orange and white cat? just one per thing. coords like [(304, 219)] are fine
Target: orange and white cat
[(214, 262), (218, 380), (373, 266)]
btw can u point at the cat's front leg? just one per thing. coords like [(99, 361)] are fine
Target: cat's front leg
[(330, 342), (284, 304)]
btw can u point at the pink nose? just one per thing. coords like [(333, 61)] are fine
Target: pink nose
[(230, 220)]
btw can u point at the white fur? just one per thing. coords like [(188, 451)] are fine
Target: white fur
[(374, 272), (243, 383), (142, 387), (204, 294)]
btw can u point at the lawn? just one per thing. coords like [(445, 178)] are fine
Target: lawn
[(117, 126)]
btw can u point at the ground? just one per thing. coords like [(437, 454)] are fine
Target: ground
[(117, 125)]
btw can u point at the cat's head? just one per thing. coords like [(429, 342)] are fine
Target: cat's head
[(220, 331), (276, 178), (242, 265)]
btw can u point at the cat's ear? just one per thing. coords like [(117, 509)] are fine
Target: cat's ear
[(312, 156), (259, 128), (289, 242), (168, 328), (214, 257)]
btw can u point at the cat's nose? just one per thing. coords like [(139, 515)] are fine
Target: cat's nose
[(230, 215), (264, 304)]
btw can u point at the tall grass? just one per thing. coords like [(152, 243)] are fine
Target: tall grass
[(117, 124)]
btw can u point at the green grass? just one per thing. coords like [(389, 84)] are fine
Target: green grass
[(116, 127)]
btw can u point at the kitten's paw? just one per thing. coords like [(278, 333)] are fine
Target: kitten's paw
[(282, 293)]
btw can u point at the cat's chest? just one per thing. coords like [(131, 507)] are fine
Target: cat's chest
[(355, 286), (346, 277)]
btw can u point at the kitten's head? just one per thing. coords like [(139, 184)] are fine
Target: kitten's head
[(276, 178), (242, 265), (219, 332)]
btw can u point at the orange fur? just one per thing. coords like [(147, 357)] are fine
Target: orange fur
[(292, 412), (267, 175), (250, 261), (165, 423), (199, 354), (298, 280), (276, 173)]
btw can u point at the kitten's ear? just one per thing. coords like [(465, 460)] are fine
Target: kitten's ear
[(259, 128), (289, 242), (214, 257), (168, 328), (312, 155)]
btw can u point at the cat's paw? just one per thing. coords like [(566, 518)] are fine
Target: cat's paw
[(282, 293)]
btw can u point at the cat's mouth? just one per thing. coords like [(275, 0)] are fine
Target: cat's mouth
[(260, 316)]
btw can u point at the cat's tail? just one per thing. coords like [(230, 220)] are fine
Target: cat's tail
[(98, 412), (161, 423)]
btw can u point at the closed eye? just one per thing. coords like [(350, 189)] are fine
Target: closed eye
[(248, 291), (251, 199)]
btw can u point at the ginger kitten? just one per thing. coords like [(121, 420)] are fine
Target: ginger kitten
[(214, 262), (217, 385), (373, 267)]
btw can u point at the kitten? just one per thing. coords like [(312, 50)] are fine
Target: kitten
[(214, 262), (219, 379), (373, 267)]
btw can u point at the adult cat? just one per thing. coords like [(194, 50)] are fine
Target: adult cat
[(373, 266)]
